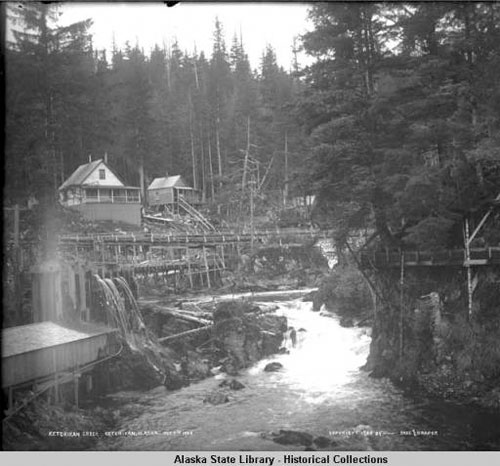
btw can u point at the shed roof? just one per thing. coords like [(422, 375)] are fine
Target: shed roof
[(33, 337), (167, 182)]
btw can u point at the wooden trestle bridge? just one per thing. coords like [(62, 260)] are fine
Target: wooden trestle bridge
[(448, 258), (189, 255), (468, 257)]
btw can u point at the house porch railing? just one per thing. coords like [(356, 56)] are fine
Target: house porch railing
[(110, 199)]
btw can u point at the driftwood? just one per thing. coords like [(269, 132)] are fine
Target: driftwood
[(165, 340), (188, 317)]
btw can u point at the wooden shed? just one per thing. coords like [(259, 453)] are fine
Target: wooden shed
[(36, 351), (168, 190)]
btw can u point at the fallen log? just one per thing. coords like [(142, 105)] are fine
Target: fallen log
[(165, 340), (189, 318), (180, 315)]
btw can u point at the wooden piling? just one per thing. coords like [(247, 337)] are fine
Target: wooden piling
[(401, 305), (206, 266), (77, 388), (188, 258)]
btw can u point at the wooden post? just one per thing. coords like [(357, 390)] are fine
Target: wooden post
[(401, 305), (206, 266), (285, 190), (76, 387), (56, 381), (252, 183), (468, 265), (11, 399), (222, 257), (17, 271), (188, 258)]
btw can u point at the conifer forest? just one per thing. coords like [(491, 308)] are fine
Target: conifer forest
[(209, 251)]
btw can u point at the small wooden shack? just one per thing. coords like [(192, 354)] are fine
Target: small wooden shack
[(99, 194), (168, 190), (37, 351)]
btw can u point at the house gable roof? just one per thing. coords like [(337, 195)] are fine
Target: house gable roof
[(79, 176), (168, 182)]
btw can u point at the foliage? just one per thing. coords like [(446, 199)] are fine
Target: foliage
[(346, 291), (168, 111), (402, 111)]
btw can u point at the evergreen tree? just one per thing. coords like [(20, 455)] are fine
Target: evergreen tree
[(48, 70)]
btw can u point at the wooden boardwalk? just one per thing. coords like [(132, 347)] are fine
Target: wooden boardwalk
[(446, 258), (194, 240), (176, 255)]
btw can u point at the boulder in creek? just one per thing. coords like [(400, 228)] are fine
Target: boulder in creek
[(216, 398), (232, 384), (379, 372), (322, 442), (283, 350), (230, 367), (194, 367), (292, 437), (245, 335), (270, 342), (273, 367), (347, 321), (175, 381)]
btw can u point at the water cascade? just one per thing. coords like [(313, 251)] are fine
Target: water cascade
[(122, 311)]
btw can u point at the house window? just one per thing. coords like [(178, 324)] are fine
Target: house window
[(102, 174)]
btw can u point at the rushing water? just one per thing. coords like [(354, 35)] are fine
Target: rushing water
[(320, 390)]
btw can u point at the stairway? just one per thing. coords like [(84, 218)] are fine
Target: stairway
[(195, 214)]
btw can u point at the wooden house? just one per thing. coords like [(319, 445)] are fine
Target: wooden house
[(168, 190), (99, 194)]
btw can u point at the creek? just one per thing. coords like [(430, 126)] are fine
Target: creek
[(320, 390)]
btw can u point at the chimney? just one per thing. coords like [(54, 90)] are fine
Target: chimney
[(90, 158), (106, 158), (166, 174)]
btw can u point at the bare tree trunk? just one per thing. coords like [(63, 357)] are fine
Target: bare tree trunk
[(141, 181), (219, 157), (211, 169), (191, 136), (285, 191), (61, 165), (203, 185), (196, 75), (169, 82), (247, 154), (261, 184)]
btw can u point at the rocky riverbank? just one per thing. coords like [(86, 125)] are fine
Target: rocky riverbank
[(238, 334), (431, 346)]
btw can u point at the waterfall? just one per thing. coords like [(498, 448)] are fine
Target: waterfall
[(123, 312)]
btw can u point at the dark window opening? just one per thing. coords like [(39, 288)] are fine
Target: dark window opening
[(102, 174)]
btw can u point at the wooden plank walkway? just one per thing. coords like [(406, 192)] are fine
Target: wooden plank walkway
[(203, 239), (445, 258)]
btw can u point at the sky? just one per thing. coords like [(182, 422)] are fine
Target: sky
[(192, 24)]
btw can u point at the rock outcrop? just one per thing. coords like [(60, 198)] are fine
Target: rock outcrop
[(243, 335)]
